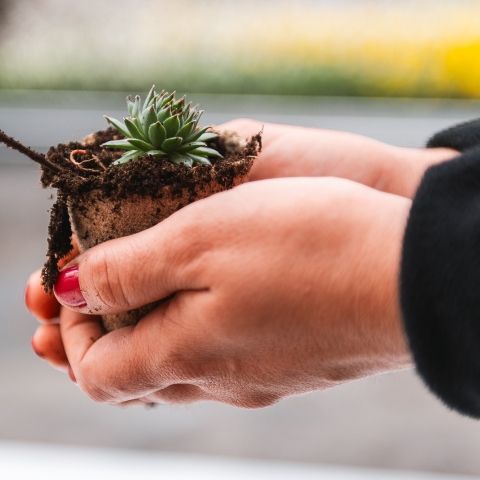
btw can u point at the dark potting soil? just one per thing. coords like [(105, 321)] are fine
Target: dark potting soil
[(87, 166)]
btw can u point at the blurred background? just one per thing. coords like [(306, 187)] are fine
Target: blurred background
[(314, 47), (395, 71)]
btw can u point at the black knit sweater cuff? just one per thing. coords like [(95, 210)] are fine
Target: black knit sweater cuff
[(440, 273), (460, 137)]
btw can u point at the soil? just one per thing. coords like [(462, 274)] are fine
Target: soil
[(82, 168)]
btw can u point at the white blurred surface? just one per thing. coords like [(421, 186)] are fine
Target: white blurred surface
[(28, 461)]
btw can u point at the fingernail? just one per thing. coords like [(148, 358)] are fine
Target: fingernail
[(67, 288), (34, 348)]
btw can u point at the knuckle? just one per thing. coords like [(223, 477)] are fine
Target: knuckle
[(133, 380), (179, 394), (180, 367), (95, 393), (192, 241), (256, 400), (102, 280), (189, 224), (111, 386), (87, 378)]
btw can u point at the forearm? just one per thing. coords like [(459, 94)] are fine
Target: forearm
[(406, 167)]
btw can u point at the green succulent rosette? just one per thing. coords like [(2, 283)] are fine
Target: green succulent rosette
[(163, 127)]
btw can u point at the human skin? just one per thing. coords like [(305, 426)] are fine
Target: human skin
[(278, 287)]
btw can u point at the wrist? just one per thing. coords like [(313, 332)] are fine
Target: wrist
[(392, 349), (366, 299), (408, 166)]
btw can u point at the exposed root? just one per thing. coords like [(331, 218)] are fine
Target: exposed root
[(81, 164), (27, 151)]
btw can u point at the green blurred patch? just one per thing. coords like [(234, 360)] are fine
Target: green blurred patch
[(293, 80)]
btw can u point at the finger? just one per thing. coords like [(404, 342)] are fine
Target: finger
[(78, 333), (246, 128), (47, 344), (126, 364), (133, 271), (71, 375), (43, 306), (282, 148)]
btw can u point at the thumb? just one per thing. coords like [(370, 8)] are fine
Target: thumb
[(130, 272)]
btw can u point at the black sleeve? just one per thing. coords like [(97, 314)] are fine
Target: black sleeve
[(440, 273), (460, 137)]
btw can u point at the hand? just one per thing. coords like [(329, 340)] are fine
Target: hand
[(306, 152), (47, 342), (288, 152), (279, 287)]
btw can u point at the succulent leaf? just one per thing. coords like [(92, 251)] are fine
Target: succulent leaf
[(163, 114), (168, 97), (136, 106), (118, 125), (172, 125), (179, 104), (207, 136), (131, 155), (119, 144), (134, 131), (150, 97), (204, 151), (188, 147), (197, 134), (157, 134), (130, 105), (150, 117), (181, 159), (156, 153), (140, 144), (171, 144), (163, 127), (198, 159), (186, 130)]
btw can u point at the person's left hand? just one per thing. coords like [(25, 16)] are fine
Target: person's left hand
[(291, 151)]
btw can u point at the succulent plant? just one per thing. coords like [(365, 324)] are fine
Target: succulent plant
[(163, 127)]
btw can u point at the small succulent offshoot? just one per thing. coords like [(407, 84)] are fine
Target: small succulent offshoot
[(163, 127)]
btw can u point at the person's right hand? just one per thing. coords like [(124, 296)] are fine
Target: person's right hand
[(291, 151), (275, 288)]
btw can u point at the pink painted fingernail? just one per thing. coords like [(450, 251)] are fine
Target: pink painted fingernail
[(67, 288)]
